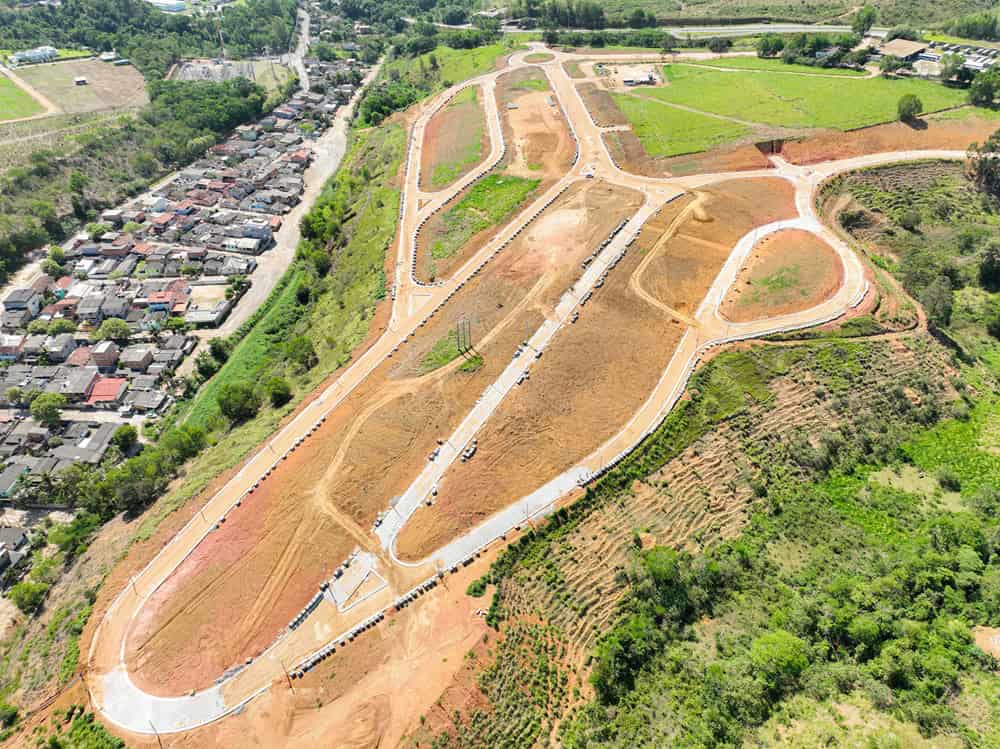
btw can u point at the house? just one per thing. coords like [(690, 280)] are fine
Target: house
[(105, 354), (13, 547), (115, 306), (59, 347), (208, 317), (9, 478), (44, 53), (10, 347), (137, 358), (23, 300), (107, 392), (33, 346), (85, 442), (89, 309), (249, 245), (904, 49), (79, 383), (79, 358), (145, 401)]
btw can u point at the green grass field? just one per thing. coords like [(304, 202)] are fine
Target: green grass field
[(15, 102), (469, 150), (456, 65), (774, 65), (796, 100), (490, 201), (667, 131)]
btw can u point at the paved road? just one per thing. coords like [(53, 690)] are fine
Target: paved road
[(121, 702)]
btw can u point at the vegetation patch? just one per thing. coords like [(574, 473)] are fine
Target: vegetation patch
[(772, 65), (489, 202), (15, 102)]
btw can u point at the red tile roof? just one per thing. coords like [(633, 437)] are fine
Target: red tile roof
[(107, 390)]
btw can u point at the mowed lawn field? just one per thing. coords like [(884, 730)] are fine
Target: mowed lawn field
[(665, 131), (15, 102), (787, 100), (108, 86), (773, 65)]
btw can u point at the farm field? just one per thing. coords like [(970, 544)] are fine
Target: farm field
[(456, 140), (15, 102), (108, 86)]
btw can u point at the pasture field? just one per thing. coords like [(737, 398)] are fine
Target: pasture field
[(779, 99), (108, 86), (15, 102), (773, 65), (489, 202), (664, 130)]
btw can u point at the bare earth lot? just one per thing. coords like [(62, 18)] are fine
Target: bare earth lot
[(108, 86), (787, 271)]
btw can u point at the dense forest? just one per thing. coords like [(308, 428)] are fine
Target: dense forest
[(151, 39)]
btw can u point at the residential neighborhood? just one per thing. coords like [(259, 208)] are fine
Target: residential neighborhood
[(109, 319)]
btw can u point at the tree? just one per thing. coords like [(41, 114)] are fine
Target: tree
[(28, 595), (909, 107), (78, 182), (890, 64), (279, 391), (984, 87), (770, 45), (984, 166), (910, 219), (952, 66), (46, 408), (113, 329), (95, 229), (863, 20), (937, 301), (718, 44), (989, 267), (125, 438), (780, 658), (61, 325), (238, 401), (301, 352)]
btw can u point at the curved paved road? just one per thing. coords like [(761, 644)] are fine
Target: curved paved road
[(124, 704)]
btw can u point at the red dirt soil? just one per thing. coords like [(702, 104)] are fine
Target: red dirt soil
[(251, 576), (593, 377), (540, 146), (809, 266), (896, 136), (628, 153), (687, 262)]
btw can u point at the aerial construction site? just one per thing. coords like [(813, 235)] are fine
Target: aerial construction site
[(553, 285)]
